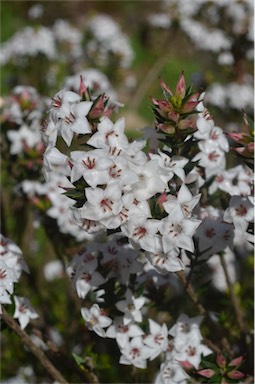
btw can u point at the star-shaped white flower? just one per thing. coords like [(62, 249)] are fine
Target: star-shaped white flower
[(181, 206), (24, 311), (131, 307), (178, 233), (240, 212), (96, 319)]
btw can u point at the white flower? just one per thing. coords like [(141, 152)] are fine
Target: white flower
[(165, 262), (135, 353), (131, 307), (54, 160), (96, 319), (142, 231), (170, 373), (150, 180), (211, 157), (7, 279), (169, 166), (181, 206), (157, 340), (24, 311), (178, 233), (75, 121), (109, 134), (123, 332), (23, 138), (240, 212), (93, 166), (186, 325), (52, 270), (102, 203)]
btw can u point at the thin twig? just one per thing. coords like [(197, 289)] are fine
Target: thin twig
[(233, 297), (33, 348), (147, 81), (203, 311)]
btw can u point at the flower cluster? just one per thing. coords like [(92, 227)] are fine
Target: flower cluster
[(107, 41), (143, 214), (11, 265)]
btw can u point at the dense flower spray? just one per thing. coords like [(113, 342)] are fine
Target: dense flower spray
[(145, 212)]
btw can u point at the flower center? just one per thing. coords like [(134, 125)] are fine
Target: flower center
[(213, 156), (89, 163), (139, 232), (241, 210)]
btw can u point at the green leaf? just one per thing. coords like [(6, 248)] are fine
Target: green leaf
[(78, 359)]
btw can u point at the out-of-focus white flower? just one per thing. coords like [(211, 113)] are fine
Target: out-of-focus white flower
[(157, 340), (96, 319), (240, 212), (36, 11), (107, 39), (53, 270), (24, 311), (123, 332), (131, 307), (159, 20), (135, 353), (29, 42)]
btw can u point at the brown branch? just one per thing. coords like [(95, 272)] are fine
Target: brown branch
[(33, 348), (203, 311), (233, 297)]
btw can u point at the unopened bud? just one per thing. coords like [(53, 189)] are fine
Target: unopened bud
[(208, 373)]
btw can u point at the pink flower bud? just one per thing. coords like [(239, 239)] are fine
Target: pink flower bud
[(160, 200), (164, 86), (186, 365), (174, 116), (181, 87), (221, 361), (237, 361), (190, 106), (207, 373), (83, 90), (97, 108), (235, 375)]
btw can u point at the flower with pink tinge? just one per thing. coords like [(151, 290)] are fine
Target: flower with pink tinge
[(150, 180), (240, 212), (82, 272), (61, 102), (213, 236), (211, 158), (193, 350), (157, 340), (186, 326), (75, 121), (135, 353), (123, 332), (24, 311), (171, 372), (178, 233), (102, 203), (7, 278), (54, 160), (170, 166), (96, 319), (142, 232), (92, 166), (165, 262), (109, 134), (181, 206), (131, 307)]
